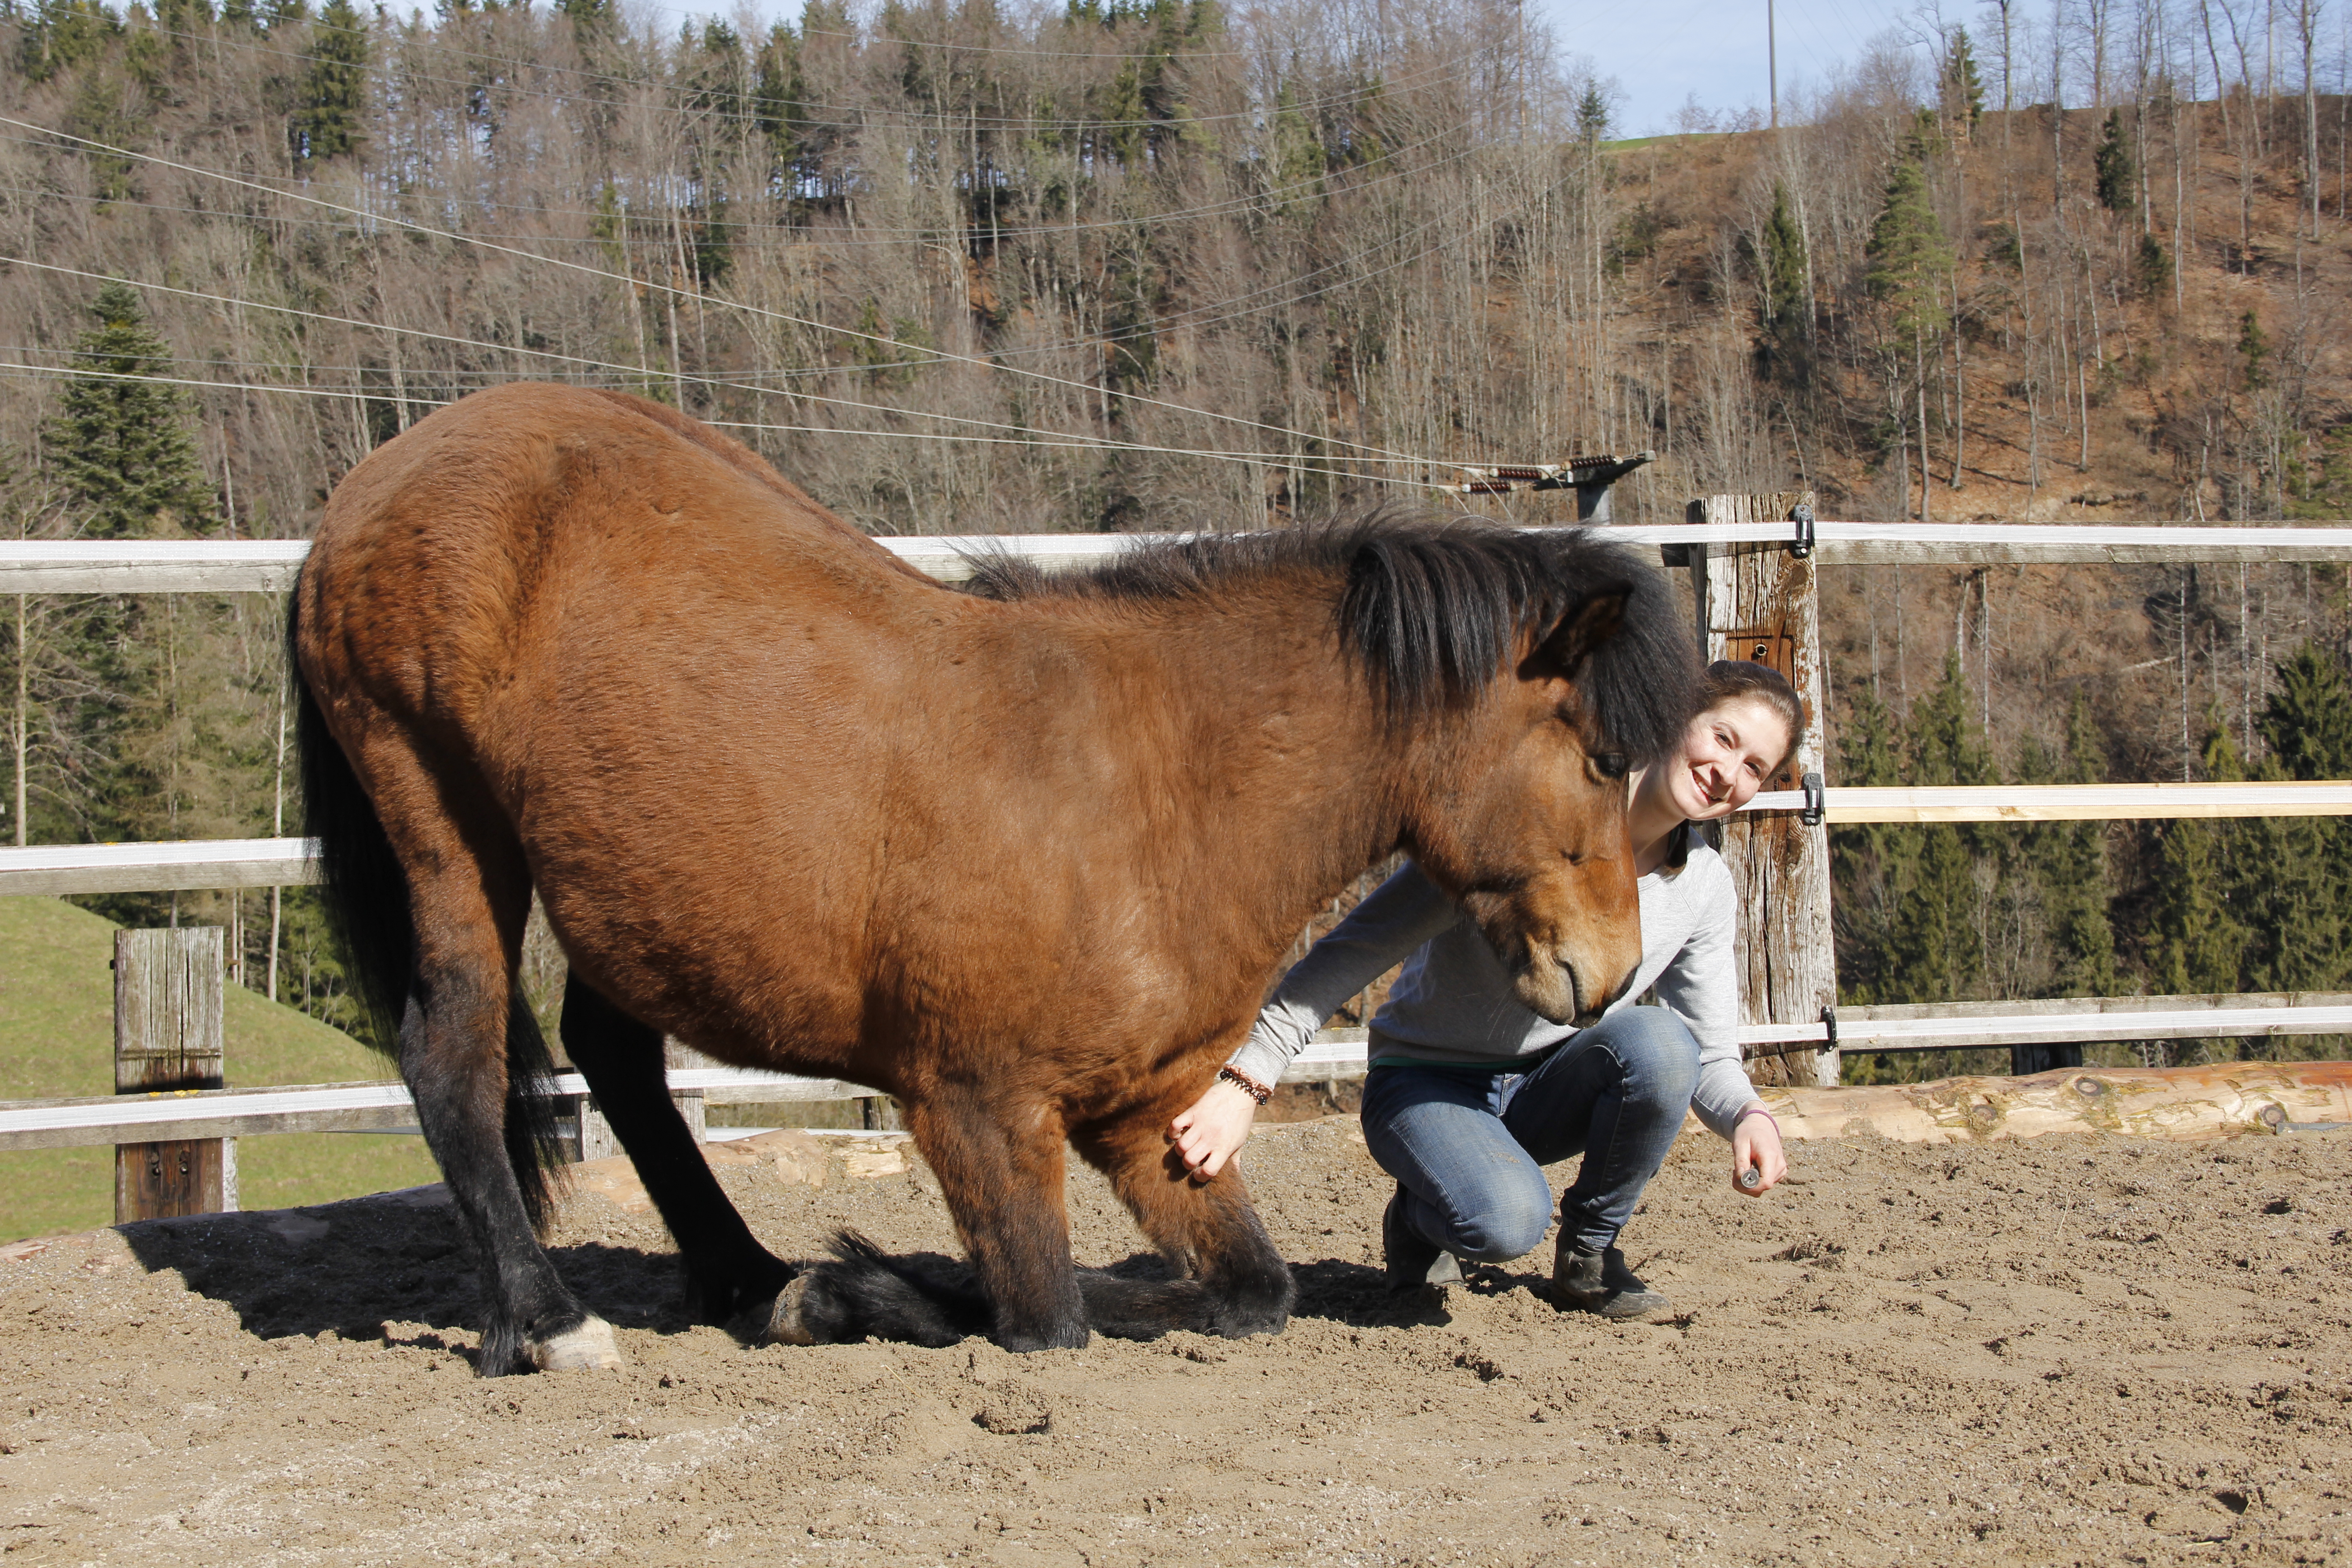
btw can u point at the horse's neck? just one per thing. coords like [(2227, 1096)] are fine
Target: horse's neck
[(1280, 783)]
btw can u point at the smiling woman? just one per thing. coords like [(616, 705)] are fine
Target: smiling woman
[(1471, 1094)]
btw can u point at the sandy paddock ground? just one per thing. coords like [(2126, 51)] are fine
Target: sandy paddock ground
[(2079, 1349)]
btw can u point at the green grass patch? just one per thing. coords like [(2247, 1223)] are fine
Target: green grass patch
[(56, 1037)]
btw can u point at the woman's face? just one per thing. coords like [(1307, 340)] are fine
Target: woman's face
[(1727, 754)]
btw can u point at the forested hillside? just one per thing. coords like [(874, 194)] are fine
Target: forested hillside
[(1166, 265)]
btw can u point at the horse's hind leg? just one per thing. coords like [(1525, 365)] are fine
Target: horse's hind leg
[(462, 1032), (1233, 1282), (726, 1270)]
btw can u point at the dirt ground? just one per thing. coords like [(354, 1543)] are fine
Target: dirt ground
[(2073, 1349)]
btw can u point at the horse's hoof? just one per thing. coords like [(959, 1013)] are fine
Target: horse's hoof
[(785, 1325), (588, 1348)]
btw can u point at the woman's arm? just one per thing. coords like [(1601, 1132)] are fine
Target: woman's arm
[(1702, 983), (1398, 917)]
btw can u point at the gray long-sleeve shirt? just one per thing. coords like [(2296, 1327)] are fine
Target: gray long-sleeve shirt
[(1454, 1007)]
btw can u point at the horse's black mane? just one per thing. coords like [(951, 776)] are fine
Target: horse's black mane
[(1432, 606)]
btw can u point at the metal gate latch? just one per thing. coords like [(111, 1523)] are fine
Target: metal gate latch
[(1803, 545), (1816, 801)]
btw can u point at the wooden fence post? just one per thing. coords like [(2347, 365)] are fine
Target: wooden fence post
[(168, 1035), (595, 1139), (1758, 601)]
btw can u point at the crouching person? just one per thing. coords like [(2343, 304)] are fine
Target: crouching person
[(1471, 1094)]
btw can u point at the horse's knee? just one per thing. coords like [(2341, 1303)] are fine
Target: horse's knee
[(1249, 1281)]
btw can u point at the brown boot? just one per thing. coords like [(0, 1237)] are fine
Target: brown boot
[(1599, 1282)]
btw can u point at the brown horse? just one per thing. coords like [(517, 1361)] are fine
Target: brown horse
[(1025, 858)]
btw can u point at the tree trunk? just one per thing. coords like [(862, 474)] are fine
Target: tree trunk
[(1926, 468), (19, 730)]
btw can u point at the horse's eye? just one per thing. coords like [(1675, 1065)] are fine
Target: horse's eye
[(1610, 763)]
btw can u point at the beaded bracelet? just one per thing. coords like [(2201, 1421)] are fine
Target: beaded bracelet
[(1246, 1084)]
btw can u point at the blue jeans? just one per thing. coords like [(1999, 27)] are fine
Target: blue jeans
[(1469, 1144)]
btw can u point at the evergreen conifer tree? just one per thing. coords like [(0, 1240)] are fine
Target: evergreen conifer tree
[(60, 35), (2115, 175), (1787, 308), (2307, 721), (1908, 255), (2197, 944), (120, 442), (1935, 951), (1963, 90), (141, 735), (778, 94), (2068, 862), (328, 121), (1870, 863), (1592, 115), (2290, 879)]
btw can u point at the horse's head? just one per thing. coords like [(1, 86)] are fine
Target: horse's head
[(1532, 672)]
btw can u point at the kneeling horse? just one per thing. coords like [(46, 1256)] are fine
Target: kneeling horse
[(1024, 855)]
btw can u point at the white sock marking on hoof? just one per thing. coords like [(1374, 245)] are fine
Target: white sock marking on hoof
[(784, 1328), (588, 1348)]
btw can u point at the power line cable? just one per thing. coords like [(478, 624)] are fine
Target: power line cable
[(635, 374), (632, 283), (1277, 461), (1188, 319)]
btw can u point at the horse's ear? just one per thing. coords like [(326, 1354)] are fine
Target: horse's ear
[(1590, 622)]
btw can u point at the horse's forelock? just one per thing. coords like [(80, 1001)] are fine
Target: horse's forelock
[(1642, 684)]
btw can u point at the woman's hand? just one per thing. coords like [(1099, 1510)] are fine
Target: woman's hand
[(1755, 1145), (1213, 1128)]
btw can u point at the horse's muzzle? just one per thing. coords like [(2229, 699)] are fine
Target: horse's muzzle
[(1559, 990), (1552, 988)]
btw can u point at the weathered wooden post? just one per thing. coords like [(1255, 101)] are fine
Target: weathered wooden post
[(168, 1035), (1756, 601), (595, 1137)]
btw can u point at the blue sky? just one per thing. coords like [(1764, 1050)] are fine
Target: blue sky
[(1662, 51)]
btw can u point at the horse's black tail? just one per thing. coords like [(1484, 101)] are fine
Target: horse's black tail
[(368, 910)]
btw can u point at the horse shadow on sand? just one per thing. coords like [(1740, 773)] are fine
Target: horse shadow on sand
[(394, 1269)]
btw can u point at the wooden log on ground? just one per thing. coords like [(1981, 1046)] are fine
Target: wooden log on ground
[(2195, 1102), (169, 1035)]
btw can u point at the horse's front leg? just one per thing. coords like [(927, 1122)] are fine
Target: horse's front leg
[(999, 1168), (1232, 1280), (727, 1269)]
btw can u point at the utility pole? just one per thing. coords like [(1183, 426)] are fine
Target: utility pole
[(1772, 59)]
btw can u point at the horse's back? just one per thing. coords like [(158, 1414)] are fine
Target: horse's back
[(665, 664)]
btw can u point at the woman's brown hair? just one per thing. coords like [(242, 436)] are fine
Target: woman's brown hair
[(1734, 680)]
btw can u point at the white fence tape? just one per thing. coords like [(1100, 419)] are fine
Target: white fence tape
[(269, 566), (1336, 1054), (56, 868), (2068, 803)]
